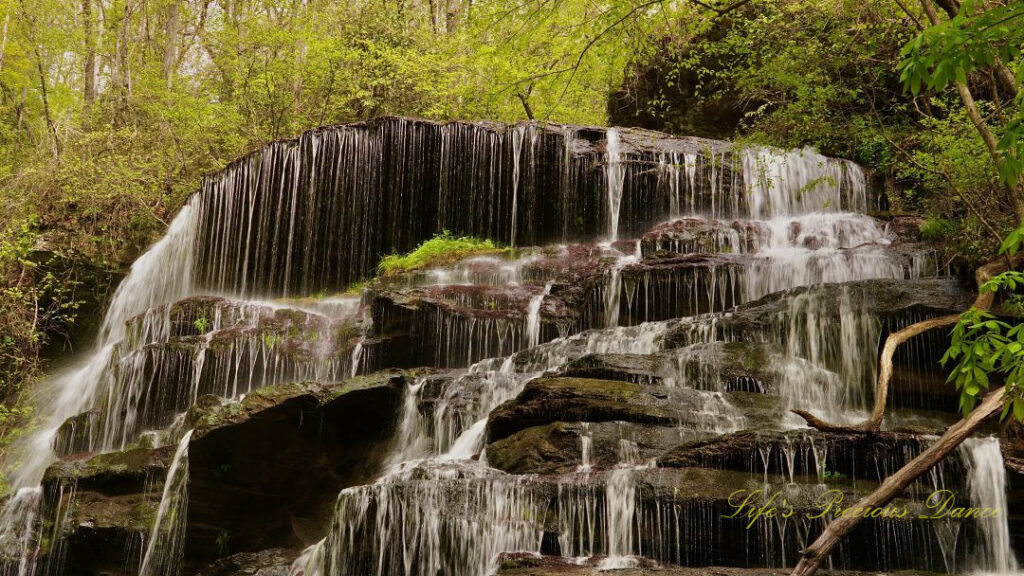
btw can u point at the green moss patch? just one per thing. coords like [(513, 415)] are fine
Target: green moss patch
[(441, 250)]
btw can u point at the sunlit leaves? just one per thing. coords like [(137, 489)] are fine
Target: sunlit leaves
[(948, 52)]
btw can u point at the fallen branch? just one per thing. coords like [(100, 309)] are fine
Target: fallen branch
[(812, 557)]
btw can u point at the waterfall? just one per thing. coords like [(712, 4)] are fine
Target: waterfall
[(815, 248), (411, 439), (586, 447), (613, 288), (800, 182), (237, 296), (18, 525), (167, 538), (986, 479), (620, 504), (615, 176), (452, 514), (533, 317), (161, 275)]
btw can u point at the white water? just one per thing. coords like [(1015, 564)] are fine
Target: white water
[(620, 504), (613, 287), (416, 524), (799, 182), (986, 478), (167, 537), (533, 317), (161, 275), (517, 148), (586, 447), (615, 173), (19, 524)]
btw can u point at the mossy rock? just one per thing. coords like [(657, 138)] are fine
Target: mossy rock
[(114, 471)]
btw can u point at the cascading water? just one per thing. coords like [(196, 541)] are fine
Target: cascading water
[(533, 317), (987, 484), (167, 538), (620, 495), (615, 174), (67, 394), (304, 218)]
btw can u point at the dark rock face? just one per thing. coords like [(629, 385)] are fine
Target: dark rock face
[(551, 449), (1012, 443), (521, 564), (88, 284), (896, 302), (905, 228), (264, 471), (802, 452), (99, 510), (702, 236)]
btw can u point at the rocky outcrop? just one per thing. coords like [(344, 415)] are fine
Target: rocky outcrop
[(895, 302), (587, 399), (203, 345), (702, 236), (265, 470), (715, 367), (547, 400), (558, 424), (1012, 446), (809, 453), (98, 508)]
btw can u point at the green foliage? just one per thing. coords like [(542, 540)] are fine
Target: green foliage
[(35, 300), (936, 228), (441, 250), (984, 347), (949, 52), (201, 324), (14, 422), (826, 73), (356, 288)]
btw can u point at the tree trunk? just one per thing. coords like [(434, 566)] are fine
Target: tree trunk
[(122, 74), (46, 103), (3, 37), (171, 27), (893, 486), (89, 66)]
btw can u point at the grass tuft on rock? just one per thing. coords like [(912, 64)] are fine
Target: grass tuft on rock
[(443, 249)]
